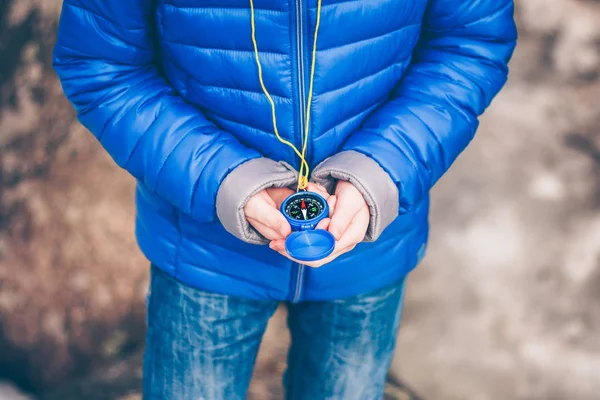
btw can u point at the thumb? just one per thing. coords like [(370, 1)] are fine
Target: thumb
[(263, 211), (348, 203)]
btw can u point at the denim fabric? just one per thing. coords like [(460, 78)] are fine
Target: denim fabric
[(202, 345)]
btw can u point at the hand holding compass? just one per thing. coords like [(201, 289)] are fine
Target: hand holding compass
[(348, 223)]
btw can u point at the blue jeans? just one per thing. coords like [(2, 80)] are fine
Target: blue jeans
[(203, 345)]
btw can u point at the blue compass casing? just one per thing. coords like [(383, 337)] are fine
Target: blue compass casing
[(304, 211)]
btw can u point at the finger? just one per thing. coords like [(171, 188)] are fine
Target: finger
[(277, 245), (311, 264), (349, 202), (259, 209), (264, 194), (265, 230), (342, 218), (278, 195), (331, 202), (324, 261), (356, 231), (323, 224), (353, 235), (338, 251), (316, 264), (316, 188)]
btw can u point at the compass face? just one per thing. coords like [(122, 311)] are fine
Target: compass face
[(304, 207)]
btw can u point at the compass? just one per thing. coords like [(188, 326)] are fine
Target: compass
[(304, 211)]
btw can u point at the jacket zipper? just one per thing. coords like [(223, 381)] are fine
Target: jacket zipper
[(302, 115)]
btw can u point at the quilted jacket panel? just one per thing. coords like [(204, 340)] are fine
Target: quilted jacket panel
[(171, 91)]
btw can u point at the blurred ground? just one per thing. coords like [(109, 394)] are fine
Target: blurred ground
[(505, 306)]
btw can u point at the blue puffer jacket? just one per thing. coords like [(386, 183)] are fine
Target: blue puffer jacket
[(170, 88)]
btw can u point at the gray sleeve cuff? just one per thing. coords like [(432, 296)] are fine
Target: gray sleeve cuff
[(376, 186), (240, 185)]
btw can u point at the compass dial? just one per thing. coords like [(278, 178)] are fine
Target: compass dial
[(304, 207)]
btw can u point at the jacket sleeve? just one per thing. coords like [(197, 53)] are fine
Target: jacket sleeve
[(407, 144), (106, 61)]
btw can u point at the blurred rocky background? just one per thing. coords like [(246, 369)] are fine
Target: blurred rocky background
[(505, 306)]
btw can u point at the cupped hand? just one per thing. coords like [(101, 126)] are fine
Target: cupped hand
[(349, 222), (262, 212)]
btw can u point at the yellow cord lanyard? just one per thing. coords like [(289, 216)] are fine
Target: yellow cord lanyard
[(304, 169)]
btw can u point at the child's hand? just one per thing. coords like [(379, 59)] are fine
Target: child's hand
[(348, 224), (262, 212), (350, 219)]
